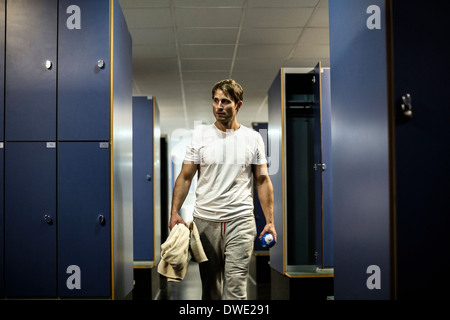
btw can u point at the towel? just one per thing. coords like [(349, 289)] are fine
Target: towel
[(182, 245)]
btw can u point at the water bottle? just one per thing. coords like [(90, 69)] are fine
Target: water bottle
[(267, 241)]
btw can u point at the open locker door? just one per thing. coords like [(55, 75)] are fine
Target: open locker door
[(322, 167), (319, 166)]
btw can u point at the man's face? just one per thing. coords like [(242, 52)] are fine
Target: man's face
[(224, 108)]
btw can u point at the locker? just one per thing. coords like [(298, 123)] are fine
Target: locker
[(84, 219), (422, 190), (147, 227), (390, 125), (30, 219), (31, 47), (121, 153), (88, 250), (143, 211), (2, 68), (296, 102), (360, 165), (323, 168), (296, 149), (84, 70), (2, 202), (146, 188)]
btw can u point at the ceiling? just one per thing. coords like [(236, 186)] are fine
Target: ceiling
[(181, 48)]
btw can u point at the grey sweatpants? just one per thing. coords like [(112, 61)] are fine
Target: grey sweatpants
[(228, 246)]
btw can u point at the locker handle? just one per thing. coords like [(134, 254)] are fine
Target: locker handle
[(101, 64), (323, 166), (101, 220), (48, 219), (48, 64), (406, 106)]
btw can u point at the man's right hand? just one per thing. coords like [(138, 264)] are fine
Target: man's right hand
[(175, 219)]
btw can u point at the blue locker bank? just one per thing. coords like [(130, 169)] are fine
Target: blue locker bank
[(66, 226), (390, 120)]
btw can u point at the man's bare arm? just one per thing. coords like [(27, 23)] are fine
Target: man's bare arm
[(180, 191), (264, 189)]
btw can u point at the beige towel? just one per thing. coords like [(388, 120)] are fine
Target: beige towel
[(176, 252)]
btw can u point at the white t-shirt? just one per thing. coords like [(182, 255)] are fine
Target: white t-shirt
[(225, 179)]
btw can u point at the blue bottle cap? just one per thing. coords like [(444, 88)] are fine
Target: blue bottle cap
[(267, 240)]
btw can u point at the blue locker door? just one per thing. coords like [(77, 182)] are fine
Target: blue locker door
[(83, 79), (422, 144), (322, 155), (143, 228), (2, 272), (30, 100), (2, 68), (359, 94), (327, 181), (84, 219), (318, 169), (30, 219)]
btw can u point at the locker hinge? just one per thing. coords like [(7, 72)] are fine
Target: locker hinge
[(314, 79)]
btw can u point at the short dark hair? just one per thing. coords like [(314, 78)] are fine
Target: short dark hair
[(231, 88)]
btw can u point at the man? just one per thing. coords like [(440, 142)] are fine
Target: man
[(227, 157)]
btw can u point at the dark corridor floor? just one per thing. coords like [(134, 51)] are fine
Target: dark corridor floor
[(190, 288)]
